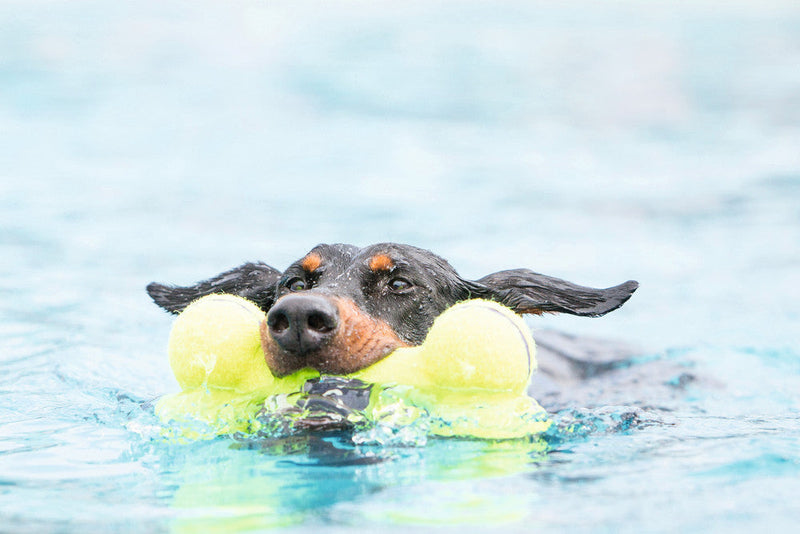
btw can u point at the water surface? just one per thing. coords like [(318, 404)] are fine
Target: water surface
[(172, 140)]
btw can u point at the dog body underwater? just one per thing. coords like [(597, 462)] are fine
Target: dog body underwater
[(341, 308)]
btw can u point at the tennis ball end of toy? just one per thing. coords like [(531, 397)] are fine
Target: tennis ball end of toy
[(476, 344), (215, 343), (480, 344)]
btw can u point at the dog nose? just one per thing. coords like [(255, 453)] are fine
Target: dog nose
[(301, 324)]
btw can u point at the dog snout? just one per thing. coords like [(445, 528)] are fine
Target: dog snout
[(302, 324)]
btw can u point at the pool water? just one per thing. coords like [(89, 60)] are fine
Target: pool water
[(172, 140)]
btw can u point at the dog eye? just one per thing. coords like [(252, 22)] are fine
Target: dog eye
[(296, 284), (399, 285)]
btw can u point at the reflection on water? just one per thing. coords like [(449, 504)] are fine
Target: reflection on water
[(314, 478)]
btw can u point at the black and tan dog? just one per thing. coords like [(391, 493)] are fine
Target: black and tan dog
[(341, 308)]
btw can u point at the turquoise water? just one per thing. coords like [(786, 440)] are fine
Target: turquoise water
[(172, 140)]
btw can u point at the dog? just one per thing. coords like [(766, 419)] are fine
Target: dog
[(341, 308)]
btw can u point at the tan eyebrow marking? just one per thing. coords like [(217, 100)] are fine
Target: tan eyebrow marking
[(311, 262), (381, 262)]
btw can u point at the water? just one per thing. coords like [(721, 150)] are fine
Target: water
[(172, 140)]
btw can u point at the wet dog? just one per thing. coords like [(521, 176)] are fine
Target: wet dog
[(341, 308)]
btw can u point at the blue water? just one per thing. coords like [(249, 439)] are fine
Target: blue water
[(172, 140)]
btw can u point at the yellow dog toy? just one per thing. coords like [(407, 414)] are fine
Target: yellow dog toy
[(469, 377)]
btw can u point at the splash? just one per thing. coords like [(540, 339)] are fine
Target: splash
[(393, 415)]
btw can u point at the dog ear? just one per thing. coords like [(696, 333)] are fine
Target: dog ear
[(525, 291), (253, 281)]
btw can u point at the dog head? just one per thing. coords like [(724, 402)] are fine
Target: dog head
[(341, 308)]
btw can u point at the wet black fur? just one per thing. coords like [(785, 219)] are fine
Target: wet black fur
[(428, 286)]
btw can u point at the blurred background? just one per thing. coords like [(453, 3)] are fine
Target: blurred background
[(172, 140)]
